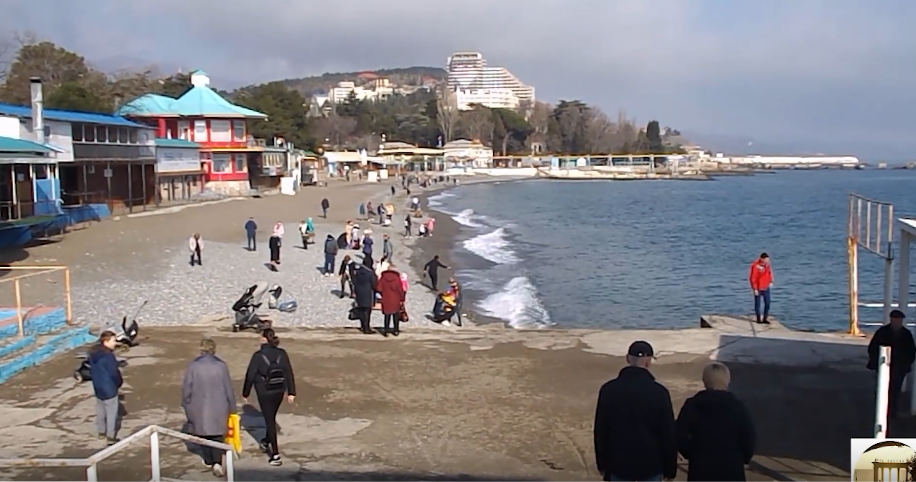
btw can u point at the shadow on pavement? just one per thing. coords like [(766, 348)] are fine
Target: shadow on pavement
[(807, 396)]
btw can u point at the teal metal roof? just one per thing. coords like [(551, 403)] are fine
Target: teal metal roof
[(22, 146), (200, 101), (203, 101), (177, 143), (149, 105)]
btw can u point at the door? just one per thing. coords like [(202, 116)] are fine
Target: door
[(24, 193)]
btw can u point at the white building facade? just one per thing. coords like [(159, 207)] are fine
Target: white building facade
[(492, 98), (468, 71)]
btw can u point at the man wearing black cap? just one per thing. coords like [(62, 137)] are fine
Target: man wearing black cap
[(903, 354), (634, 423)]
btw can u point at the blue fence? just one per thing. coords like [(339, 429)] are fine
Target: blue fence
[(55, 345), (34, 324)]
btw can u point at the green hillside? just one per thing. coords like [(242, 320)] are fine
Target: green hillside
[(403, 76)]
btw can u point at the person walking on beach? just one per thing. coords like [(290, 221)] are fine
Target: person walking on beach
[(251, 231), (393, 297), (344, 274), (903, 353), (208, 399), (454, 289), (195, 245), (380, 210), (393, 190), (387, 249), (407, 225), (106, 382), (634, 423), (431, 268), (715, 431), (330, 254), (275, 244), (761, 279), (271, 374), (367, 245), (364, 282), (325, 205)]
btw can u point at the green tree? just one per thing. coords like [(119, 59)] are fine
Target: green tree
[(173, 86), (73, 96), (54, 65), (654, 144), (500, 139), (285, 110)]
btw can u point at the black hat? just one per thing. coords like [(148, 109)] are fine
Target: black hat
[(897, 314), (640, 349)]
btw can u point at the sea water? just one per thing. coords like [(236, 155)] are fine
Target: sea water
[(658, 254)]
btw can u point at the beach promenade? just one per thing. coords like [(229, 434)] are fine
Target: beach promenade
[(475, 403)]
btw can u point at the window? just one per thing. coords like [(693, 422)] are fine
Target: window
[(113, 134), (238, 131), (88, 133), (47, 132), (200, 131), (101, 134), (132, 135), (222, 163), (184, 128), (220, 131), (123, 137), (41, 171), (240, 163), (76, 131)]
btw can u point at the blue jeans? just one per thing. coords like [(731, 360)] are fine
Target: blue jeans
[(252, 242), (762, 295), (329, 263), (657, 478)]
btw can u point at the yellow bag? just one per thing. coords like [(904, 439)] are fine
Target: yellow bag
[(234, 434)]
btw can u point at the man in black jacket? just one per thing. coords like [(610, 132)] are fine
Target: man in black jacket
[(330, 255), (634, 423), (903, 354)]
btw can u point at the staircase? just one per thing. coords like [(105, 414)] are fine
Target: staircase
[(46, 334)]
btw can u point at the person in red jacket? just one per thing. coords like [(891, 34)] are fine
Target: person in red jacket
[(393, 295), (761, 279)]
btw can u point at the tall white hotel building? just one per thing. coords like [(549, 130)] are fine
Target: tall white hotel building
[(475, 83)]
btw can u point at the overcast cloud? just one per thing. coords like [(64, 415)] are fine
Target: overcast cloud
[(833, 74)]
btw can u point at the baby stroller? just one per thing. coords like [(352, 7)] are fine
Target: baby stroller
[(126, 338), (444, 308), (246, 307)]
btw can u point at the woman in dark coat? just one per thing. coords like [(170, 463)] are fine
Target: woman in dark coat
[(274, 245), (364, 281), (344, 273), (715, 432), (271, 375), (389, 286)]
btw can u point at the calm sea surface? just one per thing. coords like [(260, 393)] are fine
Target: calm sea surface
[(659, 254)]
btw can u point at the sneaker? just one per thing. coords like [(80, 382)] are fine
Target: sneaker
[(113, 440), (263, 446), (275, 461), (218, 470), (102, 436)]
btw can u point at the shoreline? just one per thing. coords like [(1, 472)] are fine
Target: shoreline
[(443, 243)]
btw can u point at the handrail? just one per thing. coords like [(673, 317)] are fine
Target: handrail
[(152, 431)]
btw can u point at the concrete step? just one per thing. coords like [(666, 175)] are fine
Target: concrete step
[(19, 354)]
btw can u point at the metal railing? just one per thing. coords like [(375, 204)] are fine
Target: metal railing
[(36, 271), (881, 398), (870, 225), (92, 462)]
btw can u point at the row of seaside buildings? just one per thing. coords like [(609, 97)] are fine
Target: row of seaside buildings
[(69, 167)]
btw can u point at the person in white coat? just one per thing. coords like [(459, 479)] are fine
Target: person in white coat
[(195, 245)]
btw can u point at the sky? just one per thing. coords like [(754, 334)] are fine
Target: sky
[(835, 76)]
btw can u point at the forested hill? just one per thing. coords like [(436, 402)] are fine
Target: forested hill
[(403, 76)]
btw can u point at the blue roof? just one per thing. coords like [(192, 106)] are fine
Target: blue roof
[(177, 143), (22, 146), (199, 101), (23, 111)]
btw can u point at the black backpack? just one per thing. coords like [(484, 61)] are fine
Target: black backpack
[(275, 380)]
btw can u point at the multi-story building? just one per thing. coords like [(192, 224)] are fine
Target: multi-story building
[(468, 72), (492, 98), (229, 155)]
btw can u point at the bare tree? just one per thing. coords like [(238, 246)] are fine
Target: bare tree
[(599, 132), (335, 129), (477, 124), (447, 113), (539, 119)]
